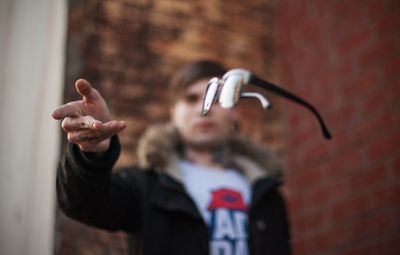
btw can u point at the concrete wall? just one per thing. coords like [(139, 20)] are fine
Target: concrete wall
[(32, 39)]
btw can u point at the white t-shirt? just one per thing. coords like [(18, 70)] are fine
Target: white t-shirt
[(222, 197)]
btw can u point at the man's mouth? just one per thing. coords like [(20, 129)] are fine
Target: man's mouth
[(205, 125)]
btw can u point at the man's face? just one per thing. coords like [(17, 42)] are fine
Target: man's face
[(198, 130)]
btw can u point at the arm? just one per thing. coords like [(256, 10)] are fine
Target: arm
[(86, 188), (88, 191)]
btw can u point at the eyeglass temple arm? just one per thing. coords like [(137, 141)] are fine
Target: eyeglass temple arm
[(278, 90)]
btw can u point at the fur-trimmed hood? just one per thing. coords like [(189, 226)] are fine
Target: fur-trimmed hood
[(160, 148)]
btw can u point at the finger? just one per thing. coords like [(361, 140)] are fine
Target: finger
[(79, 123), (111, 127), (95, 136), (81, 136), (89, 141), (99, 137), (67, 110), (86, 90), (104, 131)]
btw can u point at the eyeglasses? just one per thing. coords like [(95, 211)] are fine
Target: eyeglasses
[(210, 94), (229, 90)]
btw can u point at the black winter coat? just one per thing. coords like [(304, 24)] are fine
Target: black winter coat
[(154, 208)]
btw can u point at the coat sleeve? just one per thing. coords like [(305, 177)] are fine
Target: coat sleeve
[(89, 192)]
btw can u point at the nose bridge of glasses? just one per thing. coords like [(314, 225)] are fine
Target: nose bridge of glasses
[(245, 74), (231, 90)]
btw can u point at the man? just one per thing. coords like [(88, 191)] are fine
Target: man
[(199, 188)]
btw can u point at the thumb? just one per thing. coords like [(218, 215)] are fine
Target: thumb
[(86, 90)]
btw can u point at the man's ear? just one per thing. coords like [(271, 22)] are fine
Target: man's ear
[(172, 112)]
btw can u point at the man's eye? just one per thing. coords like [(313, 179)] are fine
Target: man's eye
[(191, 99)]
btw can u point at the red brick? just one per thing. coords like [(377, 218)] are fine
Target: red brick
[(320, 150), (392, 69), (368, 178), (345, 114), (310, 222), (334, 237), (385, 144), (362, 84), (344, 71), (374, 125), (367, 249), (373, 226), (345, 162), (349, 209), (393, 245), (389, 22), (385, 197), (355, 42), (330, 192), (396, 168), (375, 9), (382, 49), (305, 179), (303, 246)]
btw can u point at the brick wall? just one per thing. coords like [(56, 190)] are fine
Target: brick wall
[(128, 49), (344, 56)]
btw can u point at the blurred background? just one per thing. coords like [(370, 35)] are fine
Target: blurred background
[(343, 195)]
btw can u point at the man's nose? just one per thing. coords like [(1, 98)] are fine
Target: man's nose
[(199, 107)]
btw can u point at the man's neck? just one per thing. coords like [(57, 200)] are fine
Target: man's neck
[(205, 156)]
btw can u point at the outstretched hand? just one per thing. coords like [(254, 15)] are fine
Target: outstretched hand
[(87, 122)]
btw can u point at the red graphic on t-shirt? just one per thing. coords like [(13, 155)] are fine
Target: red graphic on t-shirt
[(227, 198)]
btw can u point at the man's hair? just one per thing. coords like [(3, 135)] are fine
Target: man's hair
[(191, 73)]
